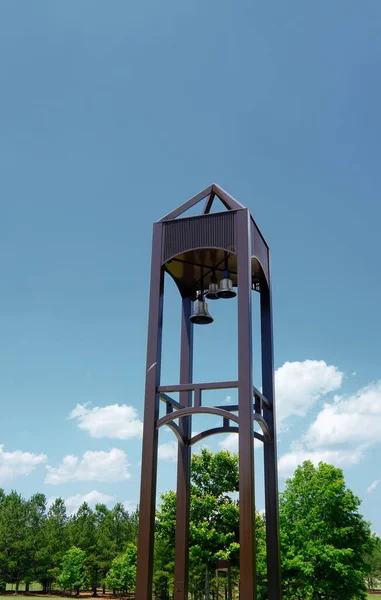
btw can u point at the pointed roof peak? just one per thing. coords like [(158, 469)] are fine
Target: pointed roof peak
[(210, 193)]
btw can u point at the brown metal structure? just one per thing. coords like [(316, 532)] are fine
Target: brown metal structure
[(190, 249)]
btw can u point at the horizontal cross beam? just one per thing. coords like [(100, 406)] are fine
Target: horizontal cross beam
[(189, 387), (257, 393)]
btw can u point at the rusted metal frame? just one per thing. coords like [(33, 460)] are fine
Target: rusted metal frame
[(270, 449), (265, 401), (245, 396), (184, 457), (170, 401), (190, 387), (150, 433), (208, 204), (194, 410), (187, 205)]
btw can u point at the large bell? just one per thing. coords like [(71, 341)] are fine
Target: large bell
[(201, 314), (226, 288), (212, 293)]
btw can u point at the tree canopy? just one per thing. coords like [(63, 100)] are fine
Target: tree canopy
[(324, 538), (328, 551)]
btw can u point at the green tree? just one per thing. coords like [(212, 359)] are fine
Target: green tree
[(214, 525), (373, 562), (74, 574), (323, 536), (54, 543), (105, 543), (122, 575), (35, 519), (14, 561), (82, 529)]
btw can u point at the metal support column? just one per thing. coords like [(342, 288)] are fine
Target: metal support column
[(184, 459), (150, 433), (245, 400), (270, 450)]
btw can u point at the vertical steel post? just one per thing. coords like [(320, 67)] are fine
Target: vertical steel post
[(184, 459), (270, 449), (150, 433), (245, 401)]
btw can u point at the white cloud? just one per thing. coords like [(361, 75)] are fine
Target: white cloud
[(229, 442), (341, 433), (117, 421), (168, 451), (299, 385), (130, 505), (228, 399), (92, 498), (18, 463), (354, 419), (373, 486), (340, 458), (93, 466)]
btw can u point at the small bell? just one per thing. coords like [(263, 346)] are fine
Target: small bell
[(226, 287), (201, 314), (212, 293)]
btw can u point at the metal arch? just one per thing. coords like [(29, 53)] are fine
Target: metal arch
[(215, 430), (183, 412), (211, 410), (212, 431), (177, 431), (263, 425)]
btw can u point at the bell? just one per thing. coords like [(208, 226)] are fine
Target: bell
[(201, 314), (226, 287), (212, 292)]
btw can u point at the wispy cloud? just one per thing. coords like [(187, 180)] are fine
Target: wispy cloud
[(373, 486)]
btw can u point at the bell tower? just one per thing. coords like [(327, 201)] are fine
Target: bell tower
[(210, 256)]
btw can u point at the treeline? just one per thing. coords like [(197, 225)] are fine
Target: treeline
[(327, 549), (34, 539)]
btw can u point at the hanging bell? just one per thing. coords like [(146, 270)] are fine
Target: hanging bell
[(226, 287), (200, 314), (212, 292)]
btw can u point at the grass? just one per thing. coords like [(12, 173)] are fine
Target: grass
[(34, 587)]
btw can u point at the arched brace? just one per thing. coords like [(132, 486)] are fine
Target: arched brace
[(263, 425), (213, 431), (216, 430), (192, 410), (177, 431)]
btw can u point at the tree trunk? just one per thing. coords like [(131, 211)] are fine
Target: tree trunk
[(104, 589), (207, 596), (27, 584), (230, 593), (17, 587)]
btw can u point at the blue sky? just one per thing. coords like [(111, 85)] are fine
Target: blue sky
[(114, 113)]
